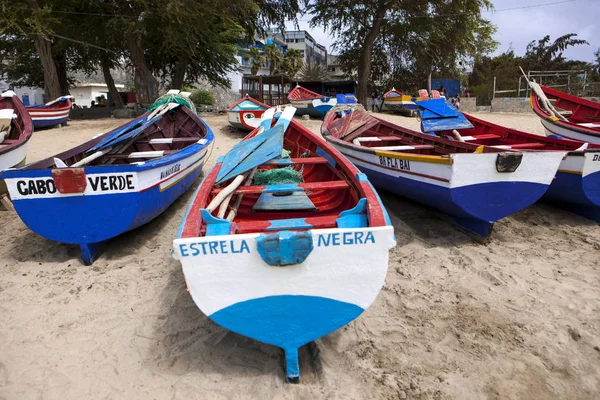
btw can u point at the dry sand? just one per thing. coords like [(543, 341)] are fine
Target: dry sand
[(516, 317)]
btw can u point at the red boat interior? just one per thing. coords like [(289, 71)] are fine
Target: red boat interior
[(328, 188), (177, 129), (376, 134), (20, 128), (575, 109), (488, 134)]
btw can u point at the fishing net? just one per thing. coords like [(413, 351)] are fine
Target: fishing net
[(173, 98), (277, 176)]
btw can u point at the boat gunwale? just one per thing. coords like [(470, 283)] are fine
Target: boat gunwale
[(27, 132), (27, 171)]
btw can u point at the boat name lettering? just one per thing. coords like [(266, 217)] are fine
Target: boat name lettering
[(217, 247), (345, 239), (36, 186), (596, 157), (394, 163), (170, 171), (111, 182)]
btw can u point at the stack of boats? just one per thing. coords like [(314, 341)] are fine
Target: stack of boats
[(286, 239)]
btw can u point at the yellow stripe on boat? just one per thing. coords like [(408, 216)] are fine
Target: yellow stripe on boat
[(566, 171), (414, 157)]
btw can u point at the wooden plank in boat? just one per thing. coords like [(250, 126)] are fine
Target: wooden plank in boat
[(329, 185)]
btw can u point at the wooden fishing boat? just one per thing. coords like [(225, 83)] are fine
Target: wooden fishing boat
[(15, 132), (51, 114), (284, 261), (576, 186), (310, 103), (399, 102), (245, 113), (565, 115), (114, 182), (475, 185)]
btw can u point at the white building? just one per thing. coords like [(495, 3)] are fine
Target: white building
[(85, 93), (28, 95)]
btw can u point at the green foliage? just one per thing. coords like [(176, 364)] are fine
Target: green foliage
[(292, 62), (313, 72), (256, 59), (203, 97), (408, 39), (540, 55), (274, 55)]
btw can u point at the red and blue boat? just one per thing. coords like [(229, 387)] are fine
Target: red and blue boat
[(576, 186), (314, 104), (51, 114), (475, 185), (565, 115), (285, 240), (112, 183), (245, 113)]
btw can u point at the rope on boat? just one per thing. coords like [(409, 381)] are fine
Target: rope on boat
[(543, 99)]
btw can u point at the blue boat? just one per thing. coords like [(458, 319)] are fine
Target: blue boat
[(50, 114), (113, 183)]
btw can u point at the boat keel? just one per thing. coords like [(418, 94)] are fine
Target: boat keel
[(476, 226), (91, 251), (292, 366)]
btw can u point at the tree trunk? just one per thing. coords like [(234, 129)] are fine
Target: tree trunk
[(178, 76), (364, 61), (429, 82), (60, 60), (44, 49), (113, 94), (146, 86)]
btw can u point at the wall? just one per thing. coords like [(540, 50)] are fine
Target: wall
[(468, 104), (511, 104)]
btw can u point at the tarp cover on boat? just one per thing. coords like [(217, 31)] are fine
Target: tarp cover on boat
[(251, 153), (437, 115)]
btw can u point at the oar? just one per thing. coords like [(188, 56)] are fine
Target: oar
[(284, 119), (265, 124)]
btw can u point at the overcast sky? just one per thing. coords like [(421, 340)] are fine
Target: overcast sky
[(520, 26)]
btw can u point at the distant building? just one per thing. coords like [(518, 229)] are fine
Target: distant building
[(85, 93), (334, 69), (313, 52), (28, 95)]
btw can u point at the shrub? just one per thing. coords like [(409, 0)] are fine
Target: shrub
[(202, 97)]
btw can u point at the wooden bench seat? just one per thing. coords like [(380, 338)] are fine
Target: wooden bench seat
[(329, 185)]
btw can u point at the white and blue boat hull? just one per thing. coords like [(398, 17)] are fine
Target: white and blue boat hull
[(577, 184), (116, 199), (292, 305), (469, 189)]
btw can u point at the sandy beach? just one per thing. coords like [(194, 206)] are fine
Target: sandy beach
[(514, 317)]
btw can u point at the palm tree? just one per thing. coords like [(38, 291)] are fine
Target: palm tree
[(313, 72), (274, 55), (292, 62), (256, 59)]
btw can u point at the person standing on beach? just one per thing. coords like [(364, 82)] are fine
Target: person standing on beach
[(375, 102)]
